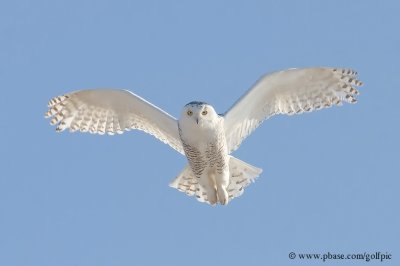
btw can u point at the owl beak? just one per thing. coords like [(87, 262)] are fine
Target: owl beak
[(197, 120)]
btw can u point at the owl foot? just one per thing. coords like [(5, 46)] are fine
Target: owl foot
[(223, 196), (212, 198)]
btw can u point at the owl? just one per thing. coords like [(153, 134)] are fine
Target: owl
[(207, 138)]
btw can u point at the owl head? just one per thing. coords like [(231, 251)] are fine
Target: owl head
[(199, 113)]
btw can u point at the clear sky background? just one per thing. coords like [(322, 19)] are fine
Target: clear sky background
[(331, 178)]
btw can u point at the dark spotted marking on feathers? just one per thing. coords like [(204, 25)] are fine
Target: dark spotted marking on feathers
[(196, 103)]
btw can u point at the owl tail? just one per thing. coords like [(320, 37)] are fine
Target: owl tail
[(242, 174)]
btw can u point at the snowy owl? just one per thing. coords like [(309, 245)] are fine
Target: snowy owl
[(205, 137)]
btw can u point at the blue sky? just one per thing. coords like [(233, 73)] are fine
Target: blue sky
[(331, 178)]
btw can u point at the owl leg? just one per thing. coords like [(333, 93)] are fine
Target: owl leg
[(222, 182), (207, 182)]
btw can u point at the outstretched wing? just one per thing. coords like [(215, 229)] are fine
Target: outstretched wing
[(289, 92), (112, 111)]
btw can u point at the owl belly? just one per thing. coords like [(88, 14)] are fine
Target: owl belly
[(208, 159), (206, 151)]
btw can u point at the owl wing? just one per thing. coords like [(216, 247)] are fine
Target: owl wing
[(112, 111), (292, 91)]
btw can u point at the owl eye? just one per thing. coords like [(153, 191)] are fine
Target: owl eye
[(204, 112), (189, 113)]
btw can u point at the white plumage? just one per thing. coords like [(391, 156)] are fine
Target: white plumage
[(203, 136)]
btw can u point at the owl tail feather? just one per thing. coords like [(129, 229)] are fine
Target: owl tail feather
[(242, 174)]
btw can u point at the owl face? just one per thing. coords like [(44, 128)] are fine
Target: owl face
[(199, 113)]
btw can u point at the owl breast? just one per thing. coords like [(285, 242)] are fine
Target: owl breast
[(205, 148)]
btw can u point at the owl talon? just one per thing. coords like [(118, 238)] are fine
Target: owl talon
[(212, 203)]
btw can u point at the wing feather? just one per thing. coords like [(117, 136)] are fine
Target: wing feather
[(112, 111), (292, 91)]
